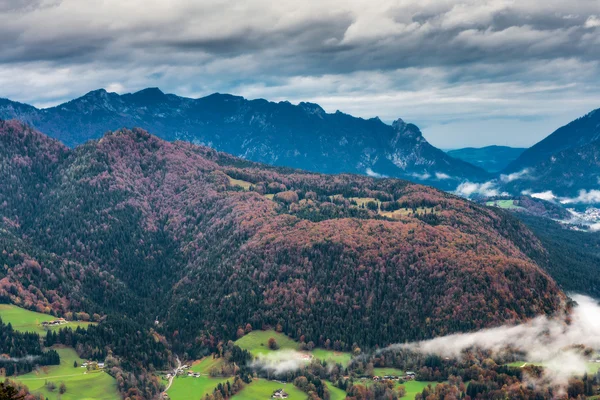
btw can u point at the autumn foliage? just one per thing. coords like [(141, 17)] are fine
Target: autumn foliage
[(134, 225)]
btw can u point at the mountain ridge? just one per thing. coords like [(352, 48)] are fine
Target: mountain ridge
[(576, 133), (299, 136)]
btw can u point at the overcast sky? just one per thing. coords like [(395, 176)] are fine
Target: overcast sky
[(469, 73)]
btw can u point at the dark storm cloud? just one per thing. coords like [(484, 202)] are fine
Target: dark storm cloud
[(400, 35), (469, 59)]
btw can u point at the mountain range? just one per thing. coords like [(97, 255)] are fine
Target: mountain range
[(299, 136), (305, 136)]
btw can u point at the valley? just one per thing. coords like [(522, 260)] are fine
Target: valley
[(191, 249)]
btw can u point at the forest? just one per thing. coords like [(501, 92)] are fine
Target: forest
[(157, 242)]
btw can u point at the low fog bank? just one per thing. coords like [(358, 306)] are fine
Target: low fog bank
[(553, 342), (280, 362)]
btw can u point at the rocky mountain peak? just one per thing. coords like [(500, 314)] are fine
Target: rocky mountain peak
[(405, 131)]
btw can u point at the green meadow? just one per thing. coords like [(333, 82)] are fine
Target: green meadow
[(30, 321), (81, 384), (387, 372), (263, 389), (206, 364), (415, 387), (506, 204), (256, 342), (330, 356), (334, 392)]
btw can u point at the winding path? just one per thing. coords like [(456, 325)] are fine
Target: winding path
[(175, 371)]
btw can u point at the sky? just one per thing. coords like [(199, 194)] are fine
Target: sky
[(469, 73)]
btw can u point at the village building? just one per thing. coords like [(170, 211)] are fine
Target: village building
[(279, 394), (55, 322)]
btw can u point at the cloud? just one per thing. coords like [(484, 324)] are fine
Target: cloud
[(486, 189), (584, 197), (524, 174), (544, 340), (282, 361), (547, 195), (488, 68), (423, 176), (374, 174), (592, 22), (442, 176), (594, 227)]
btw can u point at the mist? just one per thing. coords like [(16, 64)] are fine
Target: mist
[(543, 340), (280, 362)]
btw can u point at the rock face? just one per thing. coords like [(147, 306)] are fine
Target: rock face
[(139, 227), (300, 136)]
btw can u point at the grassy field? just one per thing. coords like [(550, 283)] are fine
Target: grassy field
[(387, 372), (593, 367), (414, 387), (206, 364), (507, 204), (335, 393), (256, 342), (332, 356), (188, 387), (30, 321), (81, 384), (238, 182), (263, 389)]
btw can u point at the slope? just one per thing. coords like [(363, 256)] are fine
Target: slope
[(577, 133), (168, 237)]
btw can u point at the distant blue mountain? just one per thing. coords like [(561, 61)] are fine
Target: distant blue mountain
[(300, 136), (576, 134), (566, 162), (490, 158)]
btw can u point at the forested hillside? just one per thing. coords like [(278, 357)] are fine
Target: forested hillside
[(138, 229)]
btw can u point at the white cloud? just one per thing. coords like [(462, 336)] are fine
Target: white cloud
[(544, 340), (592, 22), (584, 197), (424, 176), (374, 174), (115, 87), (487, 189), (547, 195), (442, 176), (524, 174), (282, 361), (594, 227)]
